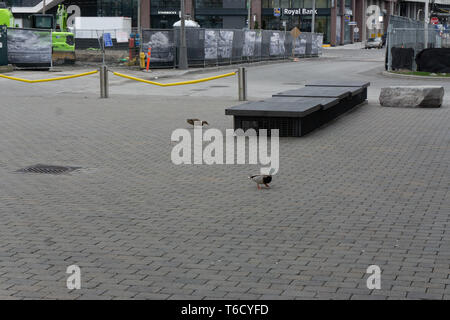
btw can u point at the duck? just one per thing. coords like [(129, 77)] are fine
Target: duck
[(260, 179), (193, 121)]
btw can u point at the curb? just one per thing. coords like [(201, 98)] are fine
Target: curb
[(410, 76), (201, 70)]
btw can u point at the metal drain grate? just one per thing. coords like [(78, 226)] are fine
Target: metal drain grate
[(47, 169)]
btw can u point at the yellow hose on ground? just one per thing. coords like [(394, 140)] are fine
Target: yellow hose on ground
[(175, 83), (51, 79)]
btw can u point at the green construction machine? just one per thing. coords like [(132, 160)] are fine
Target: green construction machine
[(63, 42), (6, 16)]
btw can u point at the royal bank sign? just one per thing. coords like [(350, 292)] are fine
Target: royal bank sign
[(298, 11), (292, 12)]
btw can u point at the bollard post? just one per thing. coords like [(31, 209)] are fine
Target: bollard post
[(242, 84), (104, 91)]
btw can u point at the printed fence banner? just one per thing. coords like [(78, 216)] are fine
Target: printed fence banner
[(31, 48), (225, 44), (162, 44), (300, 45), (215, 45), (211, 40), (277, 47), (249, 44)]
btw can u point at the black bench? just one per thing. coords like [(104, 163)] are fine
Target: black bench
[(298, 112), (334, 83), (348, 97), (294, 117), (330, 83)]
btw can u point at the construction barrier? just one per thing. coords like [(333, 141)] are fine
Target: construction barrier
[(175, 83), (104, 92), (50, 79)]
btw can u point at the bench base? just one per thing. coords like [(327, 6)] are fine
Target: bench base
[(287, 126), (297, 127)]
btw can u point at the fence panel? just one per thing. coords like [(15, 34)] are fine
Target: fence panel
[(410, 38), (29, 47), (162, 44), (211, 46)]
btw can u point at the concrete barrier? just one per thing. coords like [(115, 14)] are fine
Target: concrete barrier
[(412, 96)]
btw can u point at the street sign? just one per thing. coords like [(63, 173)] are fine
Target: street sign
[(295, 33), (356, 29), (352, 23), (107, 40), (434, 20)]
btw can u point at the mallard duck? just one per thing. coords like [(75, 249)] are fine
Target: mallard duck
[(260, 179), (193, 121)]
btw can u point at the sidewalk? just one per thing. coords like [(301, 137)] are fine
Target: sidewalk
[(350, 46), (155, 74)]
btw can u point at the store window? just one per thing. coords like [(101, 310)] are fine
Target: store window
[(215, 22), (322, 25), (113, 8), (208, 3), (323, 3), (271, 4), (295, 3), (271, 23), (163, 21), (165, 4)]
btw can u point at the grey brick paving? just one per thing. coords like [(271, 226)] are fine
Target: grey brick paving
[(369, 188)]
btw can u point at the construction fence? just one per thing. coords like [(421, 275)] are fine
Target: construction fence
[(205, 47), (407, 39)]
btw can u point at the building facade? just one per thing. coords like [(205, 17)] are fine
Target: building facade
[(341, 21)]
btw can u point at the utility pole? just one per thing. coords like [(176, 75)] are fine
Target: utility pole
[(139, 17), (313, 20), (43, 8), (183, 61), (249, 5), (425, 26)]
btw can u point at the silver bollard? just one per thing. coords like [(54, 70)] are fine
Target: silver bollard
[(104, 90), (242, 84)]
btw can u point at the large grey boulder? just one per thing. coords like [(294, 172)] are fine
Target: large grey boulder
[(412, 97)]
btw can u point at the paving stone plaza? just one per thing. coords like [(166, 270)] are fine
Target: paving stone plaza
[(369, 188)]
